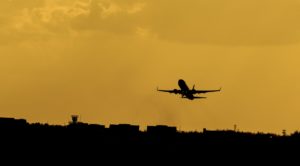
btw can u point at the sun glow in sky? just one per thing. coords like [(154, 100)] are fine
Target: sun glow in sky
[(103, 60)]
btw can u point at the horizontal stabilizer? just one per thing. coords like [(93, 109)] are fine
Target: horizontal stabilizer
[(199, 97), (195, 97)]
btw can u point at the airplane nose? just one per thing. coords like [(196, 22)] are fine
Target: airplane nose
[(181, 82)]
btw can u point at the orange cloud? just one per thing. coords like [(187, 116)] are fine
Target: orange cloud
[(225, 22)]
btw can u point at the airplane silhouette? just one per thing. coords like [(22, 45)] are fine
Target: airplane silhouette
[(186, 92)]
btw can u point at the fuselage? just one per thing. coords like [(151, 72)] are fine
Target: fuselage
[(185, 90)]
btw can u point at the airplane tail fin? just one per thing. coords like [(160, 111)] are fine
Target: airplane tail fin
[(194, 87)]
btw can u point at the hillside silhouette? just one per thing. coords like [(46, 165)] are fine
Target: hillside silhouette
[(160, 142)]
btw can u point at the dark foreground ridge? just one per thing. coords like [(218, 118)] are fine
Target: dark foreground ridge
[(81, 140)]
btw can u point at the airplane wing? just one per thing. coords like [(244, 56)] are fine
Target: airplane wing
[(206, 91), (176, 91)]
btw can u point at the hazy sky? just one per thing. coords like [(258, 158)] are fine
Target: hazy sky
[(103, 60)]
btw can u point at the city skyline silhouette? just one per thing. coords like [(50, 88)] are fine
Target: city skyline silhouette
[(79, 142)]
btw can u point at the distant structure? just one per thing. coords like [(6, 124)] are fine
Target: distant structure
[(74, 119), (284, 132), (161, 129), (124, 128), (12, 123)]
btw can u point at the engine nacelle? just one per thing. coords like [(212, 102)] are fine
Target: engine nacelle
[(176, 91)]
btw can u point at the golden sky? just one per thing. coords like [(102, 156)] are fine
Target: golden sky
[(103, 60)]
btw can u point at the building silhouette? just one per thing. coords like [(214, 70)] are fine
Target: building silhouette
[(82, 140)]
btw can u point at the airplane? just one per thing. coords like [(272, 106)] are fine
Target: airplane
[(186, 92)]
